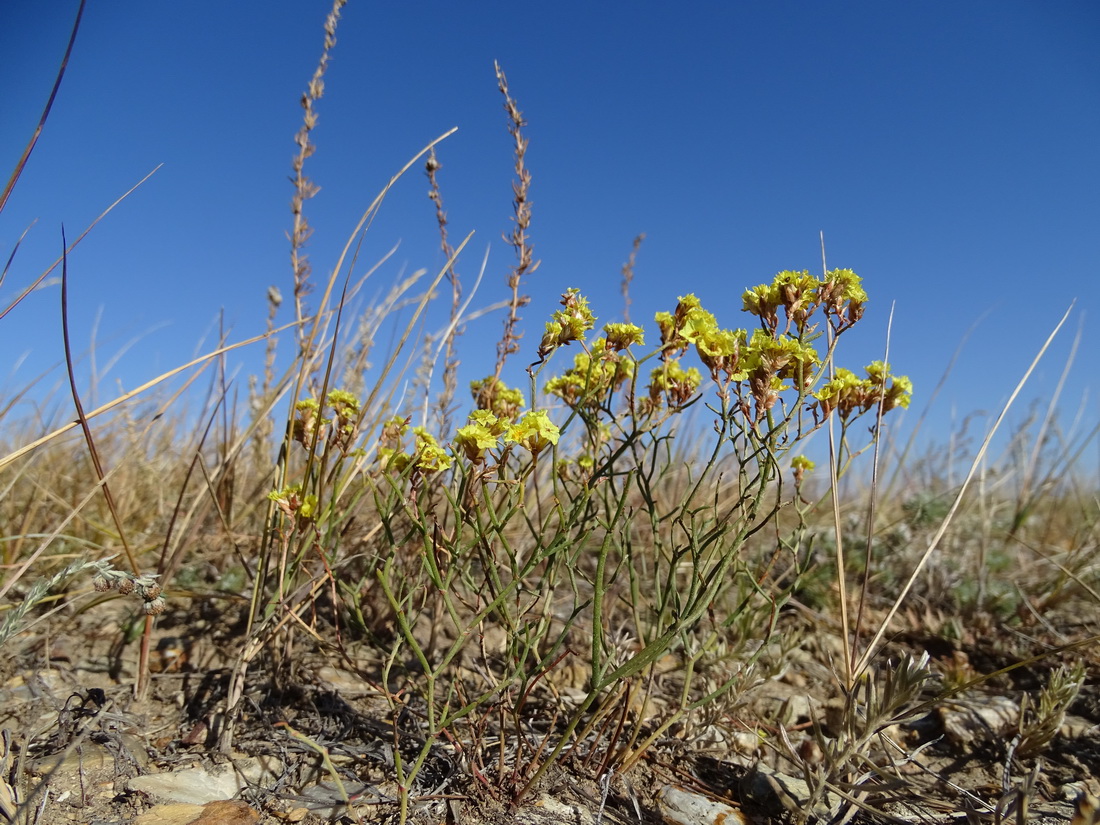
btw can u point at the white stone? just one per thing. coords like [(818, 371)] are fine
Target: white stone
[(679, 806)]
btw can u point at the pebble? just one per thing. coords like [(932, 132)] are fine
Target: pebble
[(199, 785), (679, 806), (547, 810), (225, 812)]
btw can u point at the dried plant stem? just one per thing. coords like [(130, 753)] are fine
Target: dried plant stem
[(320, 318), (1030, 489), (459, 316), (274, 301), (525, 263), (834, 488), (873, 501), (18, 171), (122, 399), (141, 686), (33, 285), (628, 275), (450, 360), (304, 188), (865, 659), (82, 419)]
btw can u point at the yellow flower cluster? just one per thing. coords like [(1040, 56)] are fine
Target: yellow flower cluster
[(427, 456), (756, 368), (719, 349), (673, 385), (568, 324), (846, 394), (592, 376), (310, 427), (491, 394), (294, 505), (841, 295), (535, 432)]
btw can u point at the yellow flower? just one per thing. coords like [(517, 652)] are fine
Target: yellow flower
[(293, 504), (780, 357), (802, 464), (567, 325), (670, 383), (497, 426), (491, 394), (762, 301), (621, 336), (308, 421), (474, 439), (346, 407), (591, 378), (430, 457), (535, 431), (844, 393), (843, 296)]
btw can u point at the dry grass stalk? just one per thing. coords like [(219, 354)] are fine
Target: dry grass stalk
[(33, 285), (450, 359), (304, 188), (628, 276), (22, 162), (872, 646), (521, 203)]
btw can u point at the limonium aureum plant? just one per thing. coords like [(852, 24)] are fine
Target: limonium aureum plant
[(572, 573)]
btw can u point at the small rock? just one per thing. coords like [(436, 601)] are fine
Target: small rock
[(198, 785), (980, 719), (1071, 791), (345, 683), (212, 813), (88, 756), (194, 785), (227, 812), (747, 742), (176, 813), (679, 806), (550, 810), (327, 799)]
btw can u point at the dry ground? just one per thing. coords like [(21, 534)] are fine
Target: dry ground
[(76, 737)]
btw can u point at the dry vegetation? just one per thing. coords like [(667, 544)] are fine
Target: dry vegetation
[(448, 621)]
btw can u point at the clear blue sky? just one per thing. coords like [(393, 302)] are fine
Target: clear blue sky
[(948, 151)]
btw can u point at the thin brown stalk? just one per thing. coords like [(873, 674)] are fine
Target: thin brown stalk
[(320, 318), (304, 188), (834, 483), (15, 175), (521, 204), (141, 686), (462, 316), (628, 276), (450, 360), (82, 419), (274, 301), (167, 563)]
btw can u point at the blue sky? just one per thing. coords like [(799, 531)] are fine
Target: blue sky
[(948, 151)]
